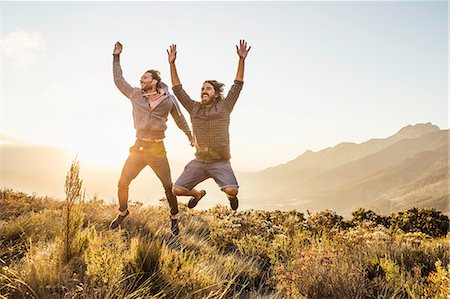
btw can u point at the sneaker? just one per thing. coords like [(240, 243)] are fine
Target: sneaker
[(194, 201), (174, 227), (234, 202), (118, 220)]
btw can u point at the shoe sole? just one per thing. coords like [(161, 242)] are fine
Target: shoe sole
[(193, 201), (116, 222)]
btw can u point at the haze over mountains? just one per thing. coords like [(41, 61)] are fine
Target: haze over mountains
[(410, 168), (407, 169)]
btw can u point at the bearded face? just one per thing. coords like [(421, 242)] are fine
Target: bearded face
[(208, 94)]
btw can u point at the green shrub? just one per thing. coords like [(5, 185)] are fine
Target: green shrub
[(325, 222), (427, 221), (105, 259), (72, 213), (361, 215)]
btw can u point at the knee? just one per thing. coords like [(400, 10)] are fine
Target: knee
[(123, 184), (168, 188), (231, 191)]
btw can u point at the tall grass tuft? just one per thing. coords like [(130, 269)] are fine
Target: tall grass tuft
[(105, 258), (73, 218), (142, 272)]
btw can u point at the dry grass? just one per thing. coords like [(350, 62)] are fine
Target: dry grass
[(219, 254)]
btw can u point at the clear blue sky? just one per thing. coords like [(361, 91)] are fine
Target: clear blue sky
[(319, 73)]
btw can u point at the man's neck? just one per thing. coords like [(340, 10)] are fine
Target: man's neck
[(151, 91)]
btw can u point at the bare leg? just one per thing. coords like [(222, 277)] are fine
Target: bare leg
[(181, 192), (231, 192), (232, 197)]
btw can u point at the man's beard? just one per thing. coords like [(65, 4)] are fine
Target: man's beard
[(207, 100)]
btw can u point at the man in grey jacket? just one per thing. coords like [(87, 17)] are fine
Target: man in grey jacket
[(152, 104)]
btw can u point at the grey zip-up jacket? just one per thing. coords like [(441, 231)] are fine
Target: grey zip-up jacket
[(149, 124)]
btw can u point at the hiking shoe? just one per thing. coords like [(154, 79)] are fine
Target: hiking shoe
[(118, 220), (234, 202), (174, 227), (194, 201)]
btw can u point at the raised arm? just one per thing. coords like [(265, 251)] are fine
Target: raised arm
[(236, 88), (120, 82), (173, 69), (178, 90), (242, 52)]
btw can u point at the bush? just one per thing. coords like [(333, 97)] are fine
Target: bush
[(427, 221), (73, 218), (361, 215), (325, 222)]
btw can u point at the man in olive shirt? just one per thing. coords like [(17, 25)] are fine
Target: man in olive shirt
[(152, 104), (210, 125)]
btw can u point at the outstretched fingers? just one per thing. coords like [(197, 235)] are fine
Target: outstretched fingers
[(243, 45), (172, 52), (242, 49)]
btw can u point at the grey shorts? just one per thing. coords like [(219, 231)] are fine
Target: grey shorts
[(197, 171)]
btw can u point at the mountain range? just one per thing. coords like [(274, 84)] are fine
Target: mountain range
[(409, 168)]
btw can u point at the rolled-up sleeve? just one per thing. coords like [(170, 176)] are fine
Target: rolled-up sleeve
[(233, 95)]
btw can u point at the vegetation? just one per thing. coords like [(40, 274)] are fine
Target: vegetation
[(53, 249)]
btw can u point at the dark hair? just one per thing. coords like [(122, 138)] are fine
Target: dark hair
[(218, 87), (157, 76)]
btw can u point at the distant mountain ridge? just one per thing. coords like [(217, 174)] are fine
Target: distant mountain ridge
[(347, 151), (353, 175)]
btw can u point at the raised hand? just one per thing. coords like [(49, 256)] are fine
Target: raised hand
[(118, 48), (172, 54), (242, 50)]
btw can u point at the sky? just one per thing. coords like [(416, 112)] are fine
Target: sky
[(318, 73)]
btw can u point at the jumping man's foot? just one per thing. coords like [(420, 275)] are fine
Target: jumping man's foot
[(174, 227), (234, 202), (194, 201), (118, 220)]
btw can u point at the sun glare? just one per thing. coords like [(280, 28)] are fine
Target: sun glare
[(111, 156)]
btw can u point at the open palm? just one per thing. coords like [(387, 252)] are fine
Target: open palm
[(172, 53), (242, 50)]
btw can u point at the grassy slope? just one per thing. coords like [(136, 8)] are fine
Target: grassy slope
[(219, 254)]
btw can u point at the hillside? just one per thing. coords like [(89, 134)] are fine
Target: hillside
[(312, 163), (389, 180), (353, 184), (219, 253)]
